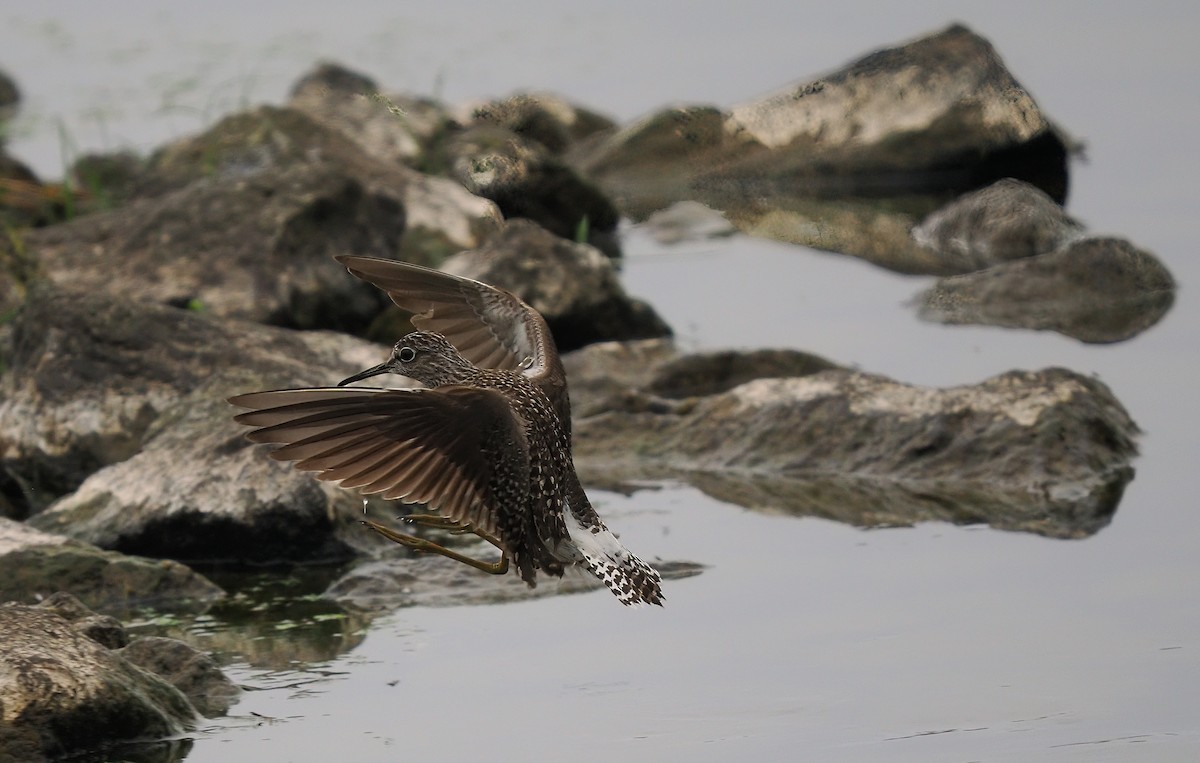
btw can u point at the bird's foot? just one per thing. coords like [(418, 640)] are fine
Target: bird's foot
[(421, 545)]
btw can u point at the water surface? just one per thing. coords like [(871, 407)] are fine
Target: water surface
[(803, 639)]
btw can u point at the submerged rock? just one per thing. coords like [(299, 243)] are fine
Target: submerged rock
[(1095, 290), (435, 581), (192, 672), (62, 692), (35, 565)]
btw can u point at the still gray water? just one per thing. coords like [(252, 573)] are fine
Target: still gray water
[(803, 639)]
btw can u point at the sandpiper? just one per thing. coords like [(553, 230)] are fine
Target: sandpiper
[(486, 441)]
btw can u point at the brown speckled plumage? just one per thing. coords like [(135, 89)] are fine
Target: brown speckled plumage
[(487, 441)]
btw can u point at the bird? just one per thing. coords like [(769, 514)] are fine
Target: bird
[(485, 441)]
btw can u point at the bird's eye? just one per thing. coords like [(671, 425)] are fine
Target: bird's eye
[(406, 354)]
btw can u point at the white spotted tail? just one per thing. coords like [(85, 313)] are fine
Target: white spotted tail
[(632, 581)]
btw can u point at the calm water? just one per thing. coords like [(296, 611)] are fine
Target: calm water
[(804, 639)]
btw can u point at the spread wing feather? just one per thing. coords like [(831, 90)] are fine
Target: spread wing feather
[(423, 445), (490, 327)]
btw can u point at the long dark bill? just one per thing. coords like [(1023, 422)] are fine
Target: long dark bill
[(382, 368)]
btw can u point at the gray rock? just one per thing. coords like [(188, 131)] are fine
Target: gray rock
[(139, 389), (35, 565), (527, 181), (937, 111), (548, 119), (1045, 452), (602, 374), (258, 246), (846, 162), (710, 373), (61, 692), (392, 127), (332, 193), (1095, 290), (1007, 220), (653, 373), (192, 672), (89, 374), (573, 286)]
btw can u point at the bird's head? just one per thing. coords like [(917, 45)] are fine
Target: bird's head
[(424, 356)]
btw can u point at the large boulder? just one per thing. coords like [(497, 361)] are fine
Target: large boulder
[(63, 692), (243, 221), (847, 161), (258, 246), (118, 409), (1045, 452)]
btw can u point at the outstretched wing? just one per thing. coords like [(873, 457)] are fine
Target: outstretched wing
[(490, 327), (434, 446)]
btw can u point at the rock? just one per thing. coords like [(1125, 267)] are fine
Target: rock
[(61, 692), (846, 161), (710, 373), (1007, 220), (435, 581), (35, 564), (652, 373), (140, 390), (1095, 290), (1045, 452), (527, 181), (258, 247), (110, 180), (654, 162), (90, 373), (192, 672), (103, 629), (942, 111), (573, 286), (602, 373), (436, 217), (548, 119), (392, 127)]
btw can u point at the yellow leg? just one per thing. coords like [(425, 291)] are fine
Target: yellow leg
[(420, 544), (439, 522)]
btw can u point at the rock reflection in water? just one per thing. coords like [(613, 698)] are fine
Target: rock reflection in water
[(271, 619), (1096, 290)]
